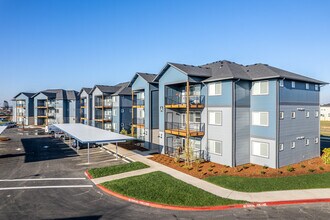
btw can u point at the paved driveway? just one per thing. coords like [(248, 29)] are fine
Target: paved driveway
[(65, 193)]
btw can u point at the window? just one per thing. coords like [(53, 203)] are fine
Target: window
[(316, 87), (141, 113), (215, 147), (260, 118), (293, 144), (281, 148), (114, 112), (195, 117), (195, 144), (316, 140), (215, 118), (293, 84), (307, 114), (281, 115), (260, 88), (215, 89), (307, 141), (140, 96), (316, 114), (260, 149), (281, 83), (293, 115), (307, 85), (114, 126)]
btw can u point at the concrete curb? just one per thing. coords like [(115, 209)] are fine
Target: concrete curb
[(88, 175), (210, 208)]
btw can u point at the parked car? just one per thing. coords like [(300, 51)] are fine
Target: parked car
[(9, 124), (51, 129)]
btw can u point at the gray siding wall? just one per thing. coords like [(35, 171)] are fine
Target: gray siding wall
[(125, 112)]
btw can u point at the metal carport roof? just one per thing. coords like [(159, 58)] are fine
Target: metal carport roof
[(87, 134), (2, 129)]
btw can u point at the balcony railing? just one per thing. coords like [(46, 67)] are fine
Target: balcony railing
[(194, 100), (98, 116), (138, 102), (51, 114), (20, 114), (179, 150), (51, 105), (20, 105), (138, 121), (107, 117), (175, 128), (107, 103)]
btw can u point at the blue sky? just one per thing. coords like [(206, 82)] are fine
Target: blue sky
[(71, 44)]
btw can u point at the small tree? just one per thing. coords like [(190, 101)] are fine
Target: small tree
[(123, 131), (326, 156)]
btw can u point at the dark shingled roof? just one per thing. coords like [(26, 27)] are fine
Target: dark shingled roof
[(106, 89), (146, 76), (87, 90), (221, 70), (59, 94), (124, 89), (326, 105), (28, 94)]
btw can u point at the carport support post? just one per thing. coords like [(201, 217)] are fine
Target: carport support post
[(116, 150), (88, 152)]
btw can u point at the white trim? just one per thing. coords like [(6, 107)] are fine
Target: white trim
[(212, 89), (253, 151), (212, 117), (256, 119), (211, 145), (256, 88)]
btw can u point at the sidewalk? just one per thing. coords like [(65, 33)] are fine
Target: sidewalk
[(214, 189)]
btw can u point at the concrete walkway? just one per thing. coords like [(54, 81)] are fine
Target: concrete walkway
[(211, 188)]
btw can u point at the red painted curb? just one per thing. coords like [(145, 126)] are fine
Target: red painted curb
[(211, 208), (88, 175)]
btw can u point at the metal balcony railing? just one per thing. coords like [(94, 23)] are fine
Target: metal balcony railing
[(182, 99), (107, 103), (20, 114), (179, 150), (107, 117), (51, 105), (98, 116), (194, 127), (138, 102), (51, 114), (138, 121), (20, 105)]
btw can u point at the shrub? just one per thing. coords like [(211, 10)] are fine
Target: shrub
[(123, 131), (302, 166), (321, 168), (215, 172), (210, 169), (290, 169), (311, 170), (204, 174), (200, 166), (245, 167), (262, 172), (199, 170), (181, 165), (212, 165), (265, 167), (239, 170), (225, 171), (252, 165), (280, 172), (227, 166), (189, 168), (326, 156)]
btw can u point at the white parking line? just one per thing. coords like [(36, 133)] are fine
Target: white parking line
[(46, 187), (40, 179)]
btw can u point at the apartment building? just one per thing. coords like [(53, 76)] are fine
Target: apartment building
[(325, 112), (56, 106), (85, 106), (233, 114), (23, 113), (122, 108), (145, 109)]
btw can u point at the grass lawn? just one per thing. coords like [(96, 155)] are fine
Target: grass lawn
[(246, 184), (111, 170), (325, 128), (163, 188)]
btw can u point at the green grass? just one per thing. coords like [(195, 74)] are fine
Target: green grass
[(111, 170), (163, 188), (246, 184), (325, 128)]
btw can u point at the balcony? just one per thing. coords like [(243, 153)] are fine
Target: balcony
[(107, 117), (107, 104), (20, 114), (179, 151), (51, 105), (20, 105), (138, 103), (196, 101), (51, 114), (138, 122), (180, 129)]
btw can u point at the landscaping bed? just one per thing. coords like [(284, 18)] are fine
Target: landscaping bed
[(246, 184), (208, 169), (162, 188), (112, 170)]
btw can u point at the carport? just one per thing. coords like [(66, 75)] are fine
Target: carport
[(86, 134), (2, 129)]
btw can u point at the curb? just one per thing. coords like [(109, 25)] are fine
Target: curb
[(210, 208), (87, 174)]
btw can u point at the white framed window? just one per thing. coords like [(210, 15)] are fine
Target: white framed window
[(281, 147), (307, 114), (293, 84), (293, 115), (215, 118), (293, 144), (281, 115), (316, 87), (141, 113), (307, 141), (114, 126), (316, 114), (215, 147), (195, 144), (114, 112), (215, 89), (260, 88), (260, 118), (260, 149), (282, 83), (307, 85), (316, 140)]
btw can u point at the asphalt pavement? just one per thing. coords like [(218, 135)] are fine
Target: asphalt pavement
[(42, 178)]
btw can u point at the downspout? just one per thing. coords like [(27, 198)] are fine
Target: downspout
[(277, 123), (234, 122), (207, 122)]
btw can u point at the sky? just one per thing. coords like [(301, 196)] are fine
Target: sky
[(71, 44)]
